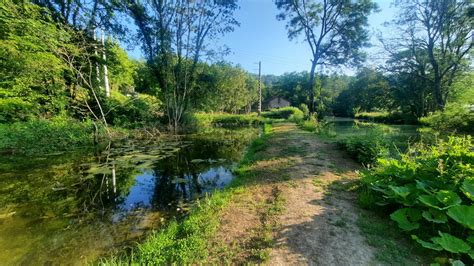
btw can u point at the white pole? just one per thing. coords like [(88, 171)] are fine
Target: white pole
[(97, 71), (106, 72)]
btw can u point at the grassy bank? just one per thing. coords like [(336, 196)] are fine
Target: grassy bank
[(189, 240), (386, 118), (59, 134)]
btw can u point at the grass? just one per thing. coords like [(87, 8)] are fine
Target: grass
[(390, 245), (263, 241), (188, 241)]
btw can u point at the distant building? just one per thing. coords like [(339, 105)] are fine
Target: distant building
[(276, 102)]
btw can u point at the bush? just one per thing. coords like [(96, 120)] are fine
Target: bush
[(203, 120), (290, 113), (456, 117), (429, 192), (386, 117), (132, 111), (41, 136), (304, 108), (367, 148)]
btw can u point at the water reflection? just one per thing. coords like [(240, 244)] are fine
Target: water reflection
[(72, 208)]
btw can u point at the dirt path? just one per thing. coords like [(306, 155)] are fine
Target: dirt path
[(298, 210)]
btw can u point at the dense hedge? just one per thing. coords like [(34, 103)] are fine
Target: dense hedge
[(290, 113)]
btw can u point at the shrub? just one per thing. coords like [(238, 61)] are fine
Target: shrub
[(290, 113), (429, 192), (456, 117), (366, 148), (132, 111), (386, 117), (40, 136), (203, 120), (304, 108)]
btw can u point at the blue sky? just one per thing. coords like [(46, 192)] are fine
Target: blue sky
[(261, 37)]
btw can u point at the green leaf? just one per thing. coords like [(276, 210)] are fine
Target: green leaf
[(430, 201), (400, 191), (471, 253), (407, 218), (457, 263), (468, 188), (451, 243), (441, 200), (470, 239), (435, 216), (448, 198), (428, 245), (463, 214)]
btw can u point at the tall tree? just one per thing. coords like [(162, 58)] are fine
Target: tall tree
[(438, 37), (334, 30), (175, 34)]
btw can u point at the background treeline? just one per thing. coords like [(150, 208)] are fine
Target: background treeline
[(381, 96)]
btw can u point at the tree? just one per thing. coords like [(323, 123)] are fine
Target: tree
[(368, 91), (175, 36), (434, 43), (334, 30)]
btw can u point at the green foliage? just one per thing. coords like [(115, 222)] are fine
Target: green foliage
[(367, 148), (386, 117), (42, 136), (223, 87), (368, 91), (31, 82), (290, 113), (200, 121), (456, 117), (429, 191), (133, 111)]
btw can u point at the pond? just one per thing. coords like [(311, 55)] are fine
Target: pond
[(399, 136), (73, 208)]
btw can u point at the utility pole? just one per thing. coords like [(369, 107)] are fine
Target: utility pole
[(259, 88), (106, 72)]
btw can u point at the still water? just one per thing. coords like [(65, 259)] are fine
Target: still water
[(73, 208)]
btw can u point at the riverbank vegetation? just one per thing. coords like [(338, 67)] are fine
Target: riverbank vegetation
[(67, 83)]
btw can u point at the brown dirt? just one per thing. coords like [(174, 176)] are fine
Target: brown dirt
[(317, 225)]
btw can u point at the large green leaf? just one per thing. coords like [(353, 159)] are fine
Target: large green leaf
[(428, 245), (463, 214), (407, 218), (441, 200), (401, 191), (448, 198), (468, 188), (471, 253), (435, 216), (451, 243), (430, 201), (457, 263)]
